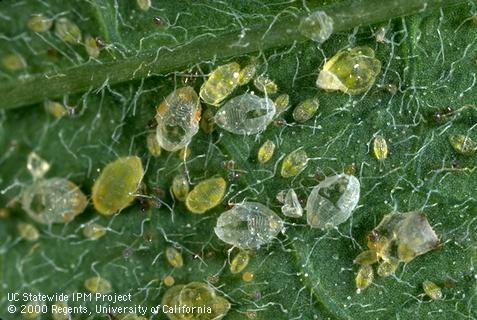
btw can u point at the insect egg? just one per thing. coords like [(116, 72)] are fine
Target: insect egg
[(387, 267), (206, 195), (67, 30), (281, 104), (294, 163), (265, 153), (91, 46), (94, 231), (247, 276), (305, 110), (380, 148), (39, 23), (28, 231), (169, 281), (31, 310), (14, 62), (174, 257), (463, 144), (144, 5), (239, 262), (364, 277), (153, 146), (98, 285), (352, 71), (56, 109), (180, 187), (432, 290), (192, 296), (264, 84)]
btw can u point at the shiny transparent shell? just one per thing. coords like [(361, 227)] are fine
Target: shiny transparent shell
[(432, 290), (332, 201), (180, 187), (91, 46), (282, 102), (380, 148), (55, 200), (352, 71), (98, 285), (206, 195), (67, 30), (265, 85), (59, 311), (195, 294), (306, 110), (245, 114), (403, 236), (294, 163), (239, 262), (39, 23), (318, 26), (116, 187), (364, 277), (144, 5), (56, 109), (153, 145), (463, 144), (220, 84), (387, 267), (265, 153), (291, 205), (366, 257), (178, 119), (94, 231), (14, 62), (248, 225), (174, 257), (28, 231), (37, 166)]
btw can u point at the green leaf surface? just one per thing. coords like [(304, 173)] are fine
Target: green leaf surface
[(304, 274)]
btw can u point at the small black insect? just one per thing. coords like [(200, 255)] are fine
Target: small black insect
[(158, 21), (443, 114)]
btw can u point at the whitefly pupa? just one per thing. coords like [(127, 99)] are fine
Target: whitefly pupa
[(246, 114), (178, 118), (332, 201), (248, 225)]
